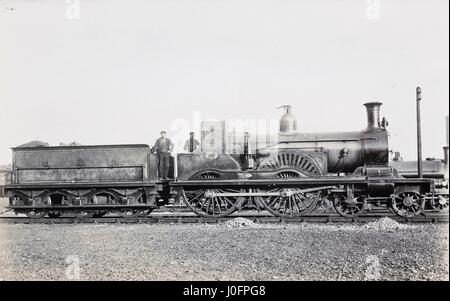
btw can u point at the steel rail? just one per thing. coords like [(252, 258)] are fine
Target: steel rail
[(261, 219)]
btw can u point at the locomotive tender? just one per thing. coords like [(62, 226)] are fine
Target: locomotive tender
[(289, 175)]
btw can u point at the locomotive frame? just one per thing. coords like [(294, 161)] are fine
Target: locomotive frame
[(278, 195)]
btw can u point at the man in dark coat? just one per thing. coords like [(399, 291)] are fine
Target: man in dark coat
[(163, 147), (191, 144)]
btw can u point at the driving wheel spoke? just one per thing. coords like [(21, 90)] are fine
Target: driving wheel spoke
[(203, 202), (290, 203)]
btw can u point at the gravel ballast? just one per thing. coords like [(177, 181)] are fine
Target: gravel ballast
[(235, 250)]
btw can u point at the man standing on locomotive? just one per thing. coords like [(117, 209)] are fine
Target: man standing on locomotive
[(163, 147), (191, 144)]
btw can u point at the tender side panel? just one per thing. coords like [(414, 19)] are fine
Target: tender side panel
[(96, 164), (92, 174)]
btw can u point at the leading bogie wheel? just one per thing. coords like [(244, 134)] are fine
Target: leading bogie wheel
[(407, 202), (349, 206), (440, 203)]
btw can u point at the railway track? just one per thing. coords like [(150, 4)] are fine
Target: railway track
[(169, 218)]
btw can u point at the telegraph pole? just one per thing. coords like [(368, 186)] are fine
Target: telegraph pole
[(419, 133)]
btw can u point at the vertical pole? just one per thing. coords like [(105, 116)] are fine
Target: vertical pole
[(247, 152), (419, 133), (446, 132), (175, 166), (446, 163)]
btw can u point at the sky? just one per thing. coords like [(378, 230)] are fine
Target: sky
[(120, 71)]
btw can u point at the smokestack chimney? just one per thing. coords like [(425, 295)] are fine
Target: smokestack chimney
[(373, 116)]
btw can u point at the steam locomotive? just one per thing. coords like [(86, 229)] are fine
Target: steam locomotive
[(289, 175)]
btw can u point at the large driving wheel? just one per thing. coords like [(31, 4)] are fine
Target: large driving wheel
[(204, 203), (291, 164), (291, 202)]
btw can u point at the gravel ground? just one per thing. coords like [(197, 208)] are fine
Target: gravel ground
[(3, 203), (236, 250)]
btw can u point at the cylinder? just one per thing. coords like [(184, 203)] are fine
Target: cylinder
[(373, 115)]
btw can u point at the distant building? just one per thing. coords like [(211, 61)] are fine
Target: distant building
[(4, 169), (74, 143)]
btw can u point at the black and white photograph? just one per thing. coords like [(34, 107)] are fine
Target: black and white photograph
[(204, 142)]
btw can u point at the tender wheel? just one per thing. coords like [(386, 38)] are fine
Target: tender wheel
[(99, 214), (349, 207), (57, 198), (34, 214), (54, 214), (130, 213), (103, 197), (146, 212), (407, 203), (439, 203), (18, 200), (203, 203), (294, 203), (83, 214)]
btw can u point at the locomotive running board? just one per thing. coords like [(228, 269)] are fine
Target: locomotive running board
[(286, 193), (301, 182)]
